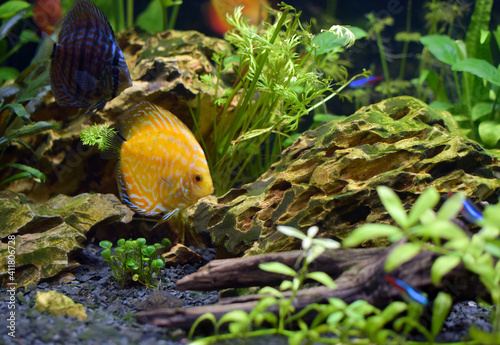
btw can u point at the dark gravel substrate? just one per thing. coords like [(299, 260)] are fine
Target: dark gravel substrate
[(110, 310)]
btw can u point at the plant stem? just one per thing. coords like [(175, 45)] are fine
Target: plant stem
[(382, 56), (406, 43), (173, 17), (130, 13)]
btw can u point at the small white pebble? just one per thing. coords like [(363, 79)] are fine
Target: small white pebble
[(472, 304)]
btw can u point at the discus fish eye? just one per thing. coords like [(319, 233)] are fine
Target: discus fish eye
[(197, 178)]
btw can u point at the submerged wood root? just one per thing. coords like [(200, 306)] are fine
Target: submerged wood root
[(359, 274)]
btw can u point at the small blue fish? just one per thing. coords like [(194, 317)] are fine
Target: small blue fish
[(407, 290), (360, 83), (471, 212), (87, 66)]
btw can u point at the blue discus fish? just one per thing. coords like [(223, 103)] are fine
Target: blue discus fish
[(87, 66), (407, 290)]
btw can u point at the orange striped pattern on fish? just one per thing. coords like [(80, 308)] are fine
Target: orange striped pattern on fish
[(162, 168), (87, 67)]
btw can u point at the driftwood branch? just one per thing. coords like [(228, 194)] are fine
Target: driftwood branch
[(363, 280)]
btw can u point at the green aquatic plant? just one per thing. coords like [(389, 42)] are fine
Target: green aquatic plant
[(337, 322), (11, 14), (277, 84), (134, 260), (159, 15), (473, 100), (422, 228), (98, 134)]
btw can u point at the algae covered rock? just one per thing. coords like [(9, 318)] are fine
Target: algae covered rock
[(329, 175), (38, 241)]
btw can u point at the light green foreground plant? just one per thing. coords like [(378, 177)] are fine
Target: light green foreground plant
[(133, 259), (423, 228), (360, 322), (278, 83)]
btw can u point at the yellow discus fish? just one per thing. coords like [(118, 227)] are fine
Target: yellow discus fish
[(161, 168)]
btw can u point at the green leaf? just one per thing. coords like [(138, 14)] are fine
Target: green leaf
[(18, 109), (234, 316), (8, 73), (289, 231), (105, 244), (401, 254), (427, 200), (480, 110), (166, 243), (106, 253), (442, 266), (442, 47), (31, 129), (322, 278), (148, 251), (479, 68), (278, 268), (151, 19), (141, 241), (439, 229), (27, 36), (157, 263), (451, 207), (10, 8), (270, 291), (489, 131), (9, 23), (393, 205), (372, 231), (440, 311)]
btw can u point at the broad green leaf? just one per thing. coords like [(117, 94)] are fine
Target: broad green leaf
[(371, 231), (451, 207), (427, 200), (481, 110), (278, 268), (442, 47), (322, 278), (289, 231), (439, 229), (392, 310), (105, 244), (234, 316), (10, 8), (480, 68), (401, 254), (440, 311), (489, 131), (27, 36), (443, 265), (8, 73), (393, 205), (270, 291), (151, 19)]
